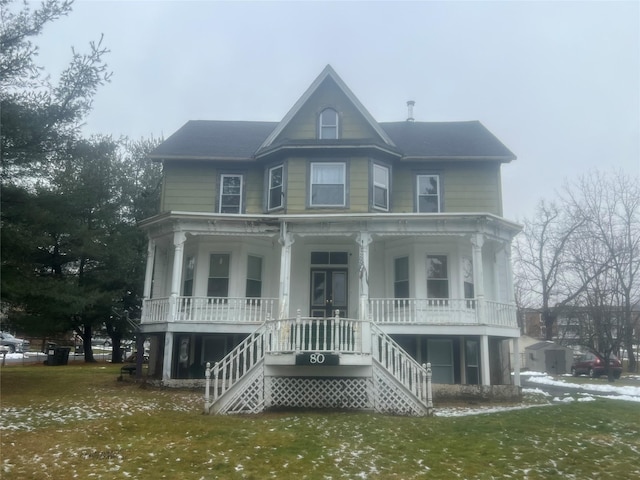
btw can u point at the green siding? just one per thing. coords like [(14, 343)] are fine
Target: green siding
[(466, 186), (189, 186), (304, 125)]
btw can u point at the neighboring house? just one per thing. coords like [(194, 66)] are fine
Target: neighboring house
[(329, 256)]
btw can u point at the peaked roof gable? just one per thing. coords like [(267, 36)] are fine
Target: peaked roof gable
[(328, 72)]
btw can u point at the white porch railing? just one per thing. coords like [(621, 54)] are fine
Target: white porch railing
[(310, 334), (441, 311), (209, 309)]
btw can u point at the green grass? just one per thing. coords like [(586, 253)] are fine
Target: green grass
[(77, 421)]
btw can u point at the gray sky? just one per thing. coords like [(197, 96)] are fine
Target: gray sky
[(557, 82)]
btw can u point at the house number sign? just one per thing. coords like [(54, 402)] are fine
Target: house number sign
[(316, 358)]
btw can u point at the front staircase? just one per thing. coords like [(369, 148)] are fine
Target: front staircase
[(309, 363)]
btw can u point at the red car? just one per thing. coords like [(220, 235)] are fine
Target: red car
[(593, 364)]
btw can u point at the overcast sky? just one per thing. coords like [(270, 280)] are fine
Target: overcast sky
[(557, 82)]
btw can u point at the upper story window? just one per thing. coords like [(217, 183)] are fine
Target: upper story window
[(428, 193), (230, 193), (276, 192), (328, 184), (381, 187), (328, 124)]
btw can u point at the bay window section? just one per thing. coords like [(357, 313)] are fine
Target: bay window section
[(230, 200), (328, 185), (428, 193), (381, 187), (276, 192)]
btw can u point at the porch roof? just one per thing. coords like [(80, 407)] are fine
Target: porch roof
[(338, 224)]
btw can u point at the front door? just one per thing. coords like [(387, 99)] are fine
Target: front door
[(328, 292)]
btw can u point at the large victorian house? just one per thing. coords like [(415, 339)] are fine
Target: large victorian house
[(325, 259)]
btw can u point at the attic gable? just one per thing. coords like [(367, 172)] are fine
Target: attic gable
[(327, 91)]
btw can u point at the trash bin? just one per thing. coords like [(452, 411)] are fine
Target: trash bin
[(62, 355), (57, 355), (51, 354)]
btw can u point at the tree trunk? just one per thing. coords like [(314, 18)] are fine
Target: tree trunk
[(116, 348), (549, 318), (86, 334)]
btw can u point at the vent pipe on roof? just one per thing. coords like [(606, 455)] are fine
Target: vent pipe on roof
[(410, 105)]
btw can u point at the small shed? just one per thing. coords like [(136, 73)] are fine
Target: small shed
[(548, 357)]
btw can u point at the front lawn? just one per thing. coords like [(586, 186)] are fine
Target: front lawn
[(77, 421)]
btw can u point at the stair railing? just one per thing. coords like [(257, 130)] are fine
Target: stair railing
[(235, 365), (414, 377)]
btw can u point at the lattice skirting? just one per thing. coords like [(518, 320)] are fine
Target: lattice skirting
[(313, 392), (248, 398)]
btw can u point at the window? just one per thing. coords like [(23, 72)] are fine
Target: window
[(276, 194), (380, 187), (230, 193), (328, 184), (218, 284), (428, 189), (437, 277), (328, 124), (401, 280), (472, 361), (189, 268), (440, 355), (467, 277), (254, 277)]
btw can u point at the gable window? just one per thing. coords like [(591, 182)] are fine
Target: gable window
[(428, 193), (401, 278), (254, 277), (276, 193), (328, 125), (381, 187), (328, 185), (218, 283), (437, 276), (230, 193)]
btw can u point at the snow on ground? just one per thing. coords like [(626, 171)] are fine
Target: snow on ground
[(616, 392), (619, 392)]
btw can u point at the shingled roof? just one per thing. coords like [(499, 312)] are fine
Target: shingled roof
[(232, 140)]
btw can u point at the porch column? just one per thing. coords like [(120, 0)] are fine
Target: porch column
[(484, 360), (168, 353), (477, 241), (364, 239), (178, 253), (516, 361), (510, 293), (148, 276), (286, 240)]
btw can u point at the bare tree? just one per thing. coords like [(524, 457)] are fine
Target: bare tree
[(608, 207), (541, 260)]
